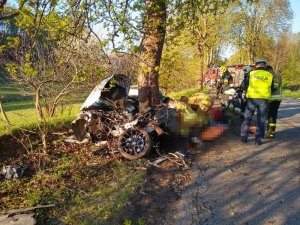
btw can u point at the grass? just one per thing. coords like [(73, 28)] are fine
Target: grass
[(86, 188), (186, 92), (293, 94), (18, 105), (4, 90), (23, 115)]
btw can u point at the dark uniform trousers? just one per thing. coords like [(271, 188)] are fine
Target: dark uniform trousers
[(261, 106), (273, 110)]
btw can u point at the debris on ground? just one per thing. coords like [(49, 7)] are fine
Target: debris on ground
[(12, 172), (21, 216), (178, 159), (72, 139)]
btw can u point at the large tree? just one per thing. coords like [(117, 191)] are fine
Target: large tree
[(254, 25), (151, 52)]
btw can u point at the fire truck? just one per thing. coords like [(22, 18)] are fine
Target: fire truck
[(237, 73), (211, 74)]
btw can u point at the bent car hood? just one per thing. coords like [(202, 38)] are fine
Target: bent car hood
[(118, 81)]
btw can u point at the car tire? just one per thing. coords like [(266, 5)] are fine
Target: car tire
[(135, 143)]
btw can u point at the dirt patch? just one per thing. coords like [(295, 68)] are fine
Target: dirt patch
[(10, 149), (161, 189)]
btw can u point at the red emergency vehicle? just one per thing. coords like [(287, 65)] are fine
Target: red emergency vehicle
[(237, 73)]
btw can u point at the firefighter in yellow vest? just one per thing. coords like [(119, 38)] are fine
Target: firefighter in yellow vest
[(258, 91), (274, 103), (194, 116)]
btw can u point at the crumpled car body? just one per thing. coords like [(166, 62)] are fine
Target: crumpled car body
[(110, 118)]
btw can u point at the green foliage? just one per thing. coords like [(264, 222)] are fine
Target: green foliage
[(185, 92), (180, 66), (255, 37), (292, 93), (291, 66), (127, 222)]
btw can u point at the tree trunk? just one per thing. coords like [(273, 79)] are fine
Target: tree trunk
[(201, 58), (38, 106), (151, 51), (4, 116)]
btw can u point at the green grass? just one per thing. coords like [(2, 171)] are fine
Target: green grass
[(86, 189), (186, 92), (23, 115), (12, 94), (4, 90), (20, 105), (293, 94)]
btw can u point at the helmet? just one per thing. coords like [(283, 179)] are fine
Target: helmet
[(247, 69), (206, 104), (204, 101), (223, 69), (231, 91), (261, 61)]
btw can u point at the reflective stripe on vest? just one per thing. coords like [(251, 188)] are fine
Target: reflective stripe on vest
[(260, 82)]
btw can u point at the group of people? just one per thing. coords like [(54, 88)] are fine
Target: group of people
[(262, 88), (263, 94), (193, 115)]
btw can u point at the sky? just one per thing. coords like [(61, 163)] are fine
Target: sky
[(295, 4)]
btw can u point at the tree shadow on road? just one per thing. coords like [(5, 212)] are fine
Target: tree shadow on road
[(249, 185)]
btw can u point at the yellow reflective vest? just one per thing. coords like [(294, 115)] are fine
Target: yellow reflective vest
[(260, 82)]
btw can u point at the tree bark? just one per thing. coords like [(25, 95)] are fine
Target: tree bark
[(151, 51), (4, 116), (38, 107), (201, 59)]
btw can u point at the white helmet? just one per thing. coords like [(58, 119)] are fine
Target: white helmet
[(247, 69)]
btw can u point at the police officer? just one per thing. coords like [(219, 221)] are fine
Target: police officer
[(274, 103), (258, 93)]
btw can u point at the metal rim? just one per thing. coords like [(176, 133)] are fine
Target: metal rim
[(135, 143)]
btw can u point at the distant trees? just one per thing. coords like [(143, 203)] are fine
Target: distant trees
[(257, 25), (180, 64), (290, 66)]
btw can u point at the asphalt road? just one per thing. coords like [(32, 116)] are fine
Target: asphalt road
[(236, 183)]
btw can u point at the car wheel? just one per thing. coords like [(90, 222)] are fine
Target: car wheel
[(135, 144)]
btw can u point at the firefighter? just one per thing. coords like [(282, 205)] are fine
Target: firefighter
[(194, 116), (274, 103), (257, 94), (224, 81), (243, 87)]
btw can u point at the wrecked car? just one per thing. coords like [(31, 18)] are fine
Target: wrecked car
[(110, 118)]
